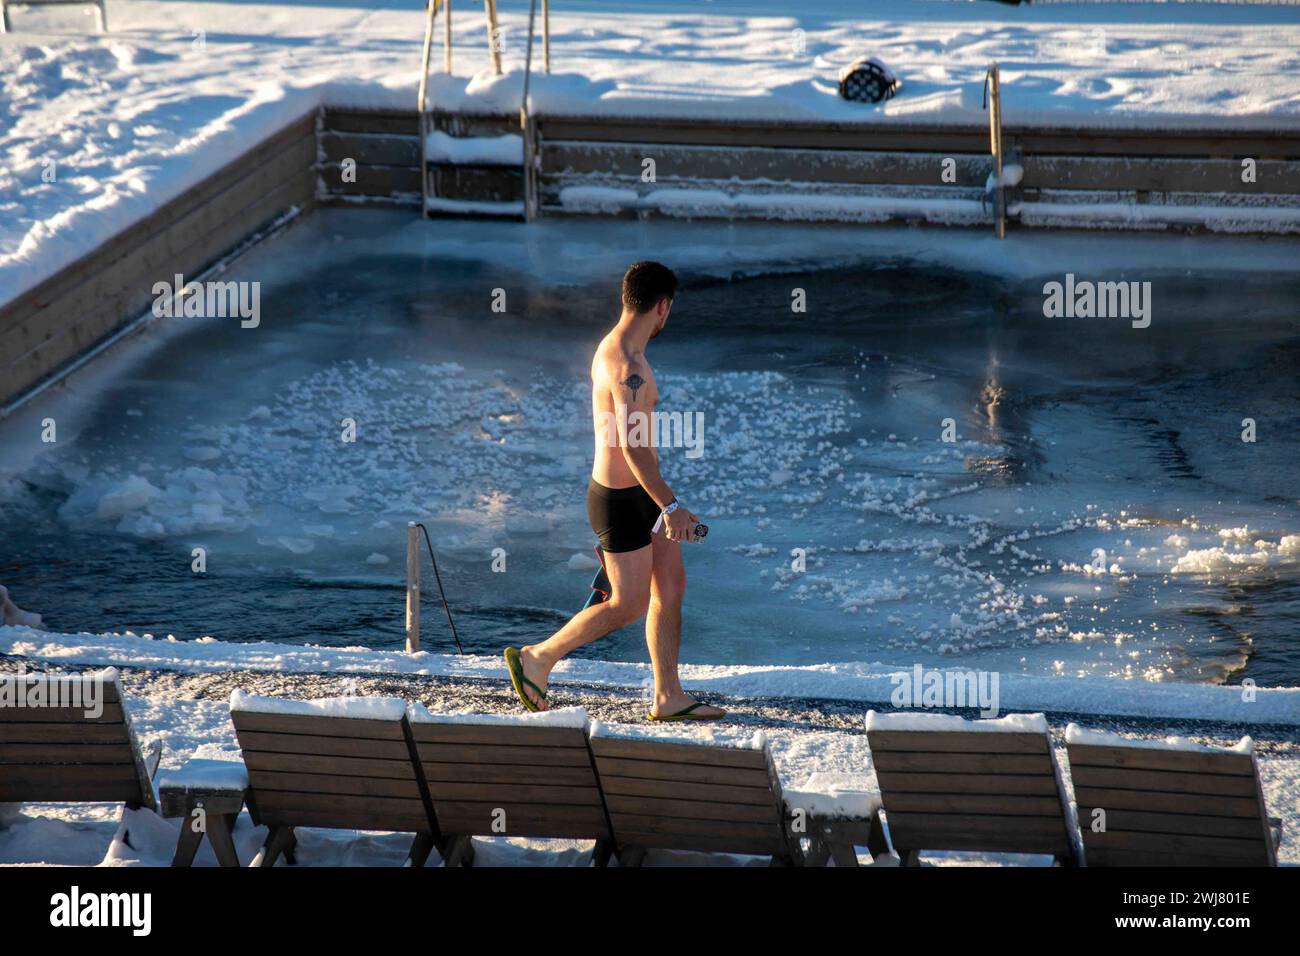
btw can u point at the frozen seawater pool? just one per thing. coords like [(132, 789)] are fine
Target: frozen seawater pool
[(822, 432)]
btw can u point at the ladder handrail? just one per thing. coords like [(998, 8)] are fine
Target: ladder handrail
[(526, 126)]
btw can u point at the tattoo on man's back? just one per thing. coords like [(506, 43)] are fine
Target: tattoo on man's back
[(634, 381)]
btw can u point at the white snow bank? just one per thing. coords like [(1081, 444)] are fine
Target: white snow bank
[(917, 720), (107, 675), (1074, 734), (681, 733), (504, 150), (361, 708), (857, 680), (200, 773), (834, 796), (574, 717)]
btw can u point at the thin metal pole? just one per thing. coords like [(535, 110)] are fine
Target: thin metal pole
[(494, 48), (412, 588), (430, 14), (995, 144), (446, 35), (526, 125), (546, 34)]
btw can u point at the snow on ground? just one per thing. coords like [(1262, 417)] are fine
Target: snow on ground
[(125, 121), (855, 681)]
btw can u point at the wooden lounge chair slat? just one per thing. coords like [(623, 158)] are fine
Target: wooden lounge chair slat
[(1160, 781), (69, 753), (65, 783), (1106, 856), (963, 839), (80, 732), (883, 741), (1137, 821), (1151, 758), (690, 809), (58, 686), (942, 762), (1246, 851), (443, 791), (701, 842), (1194, 803), (642, 787), (332, 820), (679, 753), (988, 784), (493, 735), (582, 823), (331, 746), (353, 728), (479, 753), (112, 714), (371, 808), (976, 823), (684, 772), (686, 826), (1004, 804), (509, 773), (335, 783), (339, 766)]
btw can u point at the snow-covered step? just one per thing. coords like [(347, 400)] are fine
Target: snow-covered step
[(474, 175)]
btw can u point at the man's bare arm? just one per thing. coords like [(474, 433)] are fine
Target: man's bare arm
[(632, 401)]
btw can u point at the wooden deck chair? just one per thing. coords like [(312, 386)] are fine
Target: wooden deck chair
[(67, 738), (347, 763), (985, 785), (668, 792), (1176, 803), (529, 775)]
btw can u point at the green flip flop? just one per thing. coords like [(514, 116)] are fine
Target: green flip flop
[(686, 713), (519, 681)]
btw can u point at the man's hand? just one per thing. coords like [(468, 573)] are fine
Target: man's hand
[(679, 525)]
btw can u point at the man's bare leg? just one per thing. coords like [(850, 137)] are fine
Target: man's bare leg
[(663, 630), (629, 578)]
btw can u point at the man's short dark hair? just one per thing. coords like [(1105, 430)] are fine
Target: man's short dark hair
[(645, 284)]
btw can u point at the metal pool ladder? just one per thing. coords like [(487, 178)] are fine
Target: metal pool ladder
[(527, 125)]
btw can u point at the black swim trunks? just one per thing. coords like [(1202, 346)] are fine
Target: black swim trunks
[(621, 517)]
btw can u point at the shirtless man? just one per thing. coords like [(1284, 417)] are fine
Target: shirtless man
[(625, 499)]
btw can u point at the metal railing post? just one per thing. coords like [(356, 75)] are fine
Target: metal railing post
[(993, 89), (494, 33), (412, 588), (546, 35), (527, 126)]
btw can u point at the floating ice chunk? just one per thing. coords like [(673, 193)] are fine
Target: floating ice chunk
[(580, 561), (376, 558), (130, 495)]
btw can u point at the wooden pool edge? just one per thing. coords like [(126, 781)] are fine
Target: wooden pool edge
[(1122, 180)]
